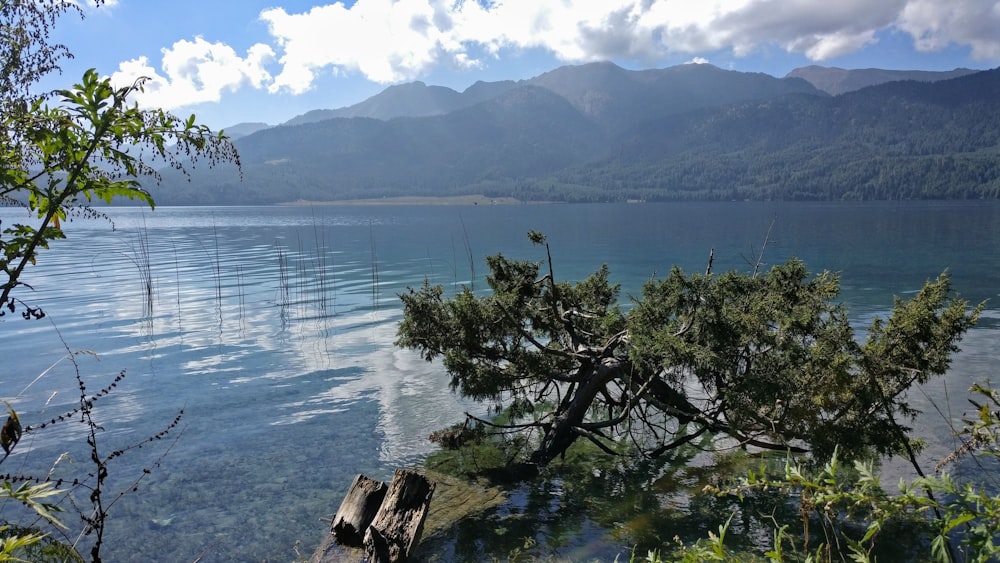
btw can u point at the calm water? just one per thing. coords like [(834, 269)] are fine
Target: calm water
[(272, 329)]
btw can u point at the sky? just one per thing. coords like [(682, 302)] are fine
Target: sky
[(235, 61)]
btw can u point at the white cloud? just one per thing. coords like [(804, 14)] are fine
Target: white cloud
[(196, 71), (386, 41), (90, 5), (935, 25), (819, 29), (394, 40)]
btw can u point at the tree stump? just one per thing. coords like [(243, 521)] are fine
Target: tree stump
[(357, 510), (396, 529), (385, 521)]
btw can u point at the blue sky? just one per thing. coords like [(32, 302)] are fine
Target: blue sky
[(233, 61)]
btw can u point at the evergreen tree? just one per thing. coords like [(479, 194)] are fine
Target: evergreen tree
[(760, 359)]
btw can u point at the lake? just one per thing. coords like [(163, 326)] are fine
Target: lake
[(272, 328)]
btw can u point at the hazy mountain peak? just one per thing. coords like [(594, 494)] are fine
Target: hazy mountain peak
[(413, 86), (410, 99), (244, 129), (834, 80), (618, 98)]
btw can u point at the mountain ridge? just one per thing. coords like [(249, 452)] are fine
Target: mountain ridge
[(836, 81), (598, 132), (832, 80)]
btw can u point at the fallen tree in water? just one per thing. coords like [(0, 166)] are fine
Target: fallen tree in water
[(759, 359)]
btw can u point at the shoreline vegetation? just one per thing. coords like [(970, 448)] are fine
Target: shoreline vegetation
[(418, 200)]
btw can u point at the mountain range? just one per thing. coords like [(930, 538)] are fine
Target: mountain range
[(598, 132), (834, 81)]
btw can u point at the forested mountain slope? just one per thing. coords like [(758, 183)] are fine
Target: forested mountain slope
[(601, 133), (900, 140)]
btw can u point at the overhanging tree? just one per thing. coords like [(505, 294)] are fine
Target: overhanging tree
[(60, 151), (761, 359)]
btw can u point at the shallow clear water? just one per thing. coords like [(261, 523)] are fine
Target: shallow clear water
[(273, 328)]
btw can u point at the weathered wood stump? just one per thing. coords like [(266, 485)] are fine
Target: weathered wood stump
[(396, 529), (357, 510), (385, 521)]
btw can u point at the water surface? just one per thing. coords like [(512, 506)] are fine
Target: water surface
[(272, 328)]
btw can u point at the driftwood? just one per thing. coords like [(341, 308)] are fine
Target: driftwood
[(385, 521), (397, 526), (357, 510)]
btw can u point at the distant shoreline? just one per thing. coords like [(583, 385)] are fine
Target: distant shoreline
[(418, 200)]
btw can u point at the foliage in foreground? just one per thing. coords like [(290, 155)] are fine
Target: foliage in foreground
[(960, 519), (762, 359), (60, 152), (89, 495)]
